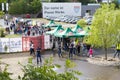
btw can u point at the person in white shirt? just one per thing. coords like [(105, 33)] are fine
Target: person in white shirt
[(32, 48)]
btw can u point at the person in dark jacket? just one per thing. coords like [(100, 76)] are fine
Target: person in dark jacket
[(38, 52), (59, 50), (78, 48), (71, 50)]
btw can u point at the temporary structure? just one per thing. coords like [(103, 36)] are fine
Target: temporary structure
[(77, 29), (68, 32), (51, 24), (57, 29)]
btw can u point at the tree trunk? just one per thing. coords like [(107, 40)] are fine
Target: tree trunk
[(105, 53)]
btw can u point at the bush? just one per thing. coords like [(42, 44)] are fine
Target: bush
[(4, 75), (2, 32), (46, 72), (82, 23), (1, 14)]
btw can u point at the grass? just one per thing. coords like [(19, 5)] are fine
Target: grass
[(13, 36)]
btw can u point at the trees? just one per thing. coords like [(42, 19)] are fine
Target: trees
[(23, 7), (60, 0), (84, 2), (105, 27), (1, 14), (18, 7), (36, 6), (82, 23)]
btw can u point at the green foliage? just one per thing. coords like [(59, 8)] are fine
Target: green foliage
[(60, 0), (1, 14), (24, 7), (46, 72), (2, 32), (69, 64), (4, 75), (12, 36), (81, 23), (36, 6), (116, 3), (17, 7), (1, 1), (105, 27), (84, 2)]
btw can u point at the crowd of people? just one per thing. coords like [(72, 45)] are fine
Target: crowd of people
[(24, 28), (72, 48)]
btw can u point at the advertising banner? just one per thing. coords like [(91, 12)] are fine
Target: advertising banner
[(15, 44), (61, 9), (37, 41), (25, 43), (47, 42), (4, 45)]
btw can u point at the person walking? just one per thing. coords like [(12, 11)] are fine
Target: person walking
[(32, 48), (38, 52), (78, 48), (90, 52), (74, 47), (117, 50), (71, 50), (59, 50)]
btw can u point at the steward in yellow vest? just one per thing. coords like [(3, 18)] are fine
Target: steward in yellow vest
[(118, 47), (117, 50)]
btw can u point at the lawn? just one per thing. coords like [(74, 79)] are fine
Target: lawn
[(13, 36)]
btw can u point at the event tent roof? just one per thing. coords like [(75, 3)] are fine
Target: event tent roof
[(58, 28), (68, 32), (77, 29), (51, 24)]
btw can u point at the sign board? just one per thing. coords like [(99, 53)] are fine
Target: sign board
[(15, 44), (4, 45), (10, 44), (47, 42), (61, 9), (25, 43)]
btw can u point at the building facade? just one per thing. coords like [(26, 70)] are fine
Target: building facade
[(89, 9)]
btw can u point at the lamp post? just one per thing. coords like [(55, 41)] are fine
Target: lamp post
[(107, 1), (7, 9)]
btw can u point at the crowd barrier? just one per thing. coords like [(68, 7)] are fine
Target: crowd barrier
[(23, 44)]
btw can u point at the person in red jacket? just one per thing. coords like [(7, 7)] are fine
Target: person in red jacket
[(90, 52)]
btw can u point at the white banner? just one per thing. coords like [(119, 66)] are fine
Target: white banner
[(6, 6), (61, 9), (4, 44), (3, 7), (15, 44), (47, 42)]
